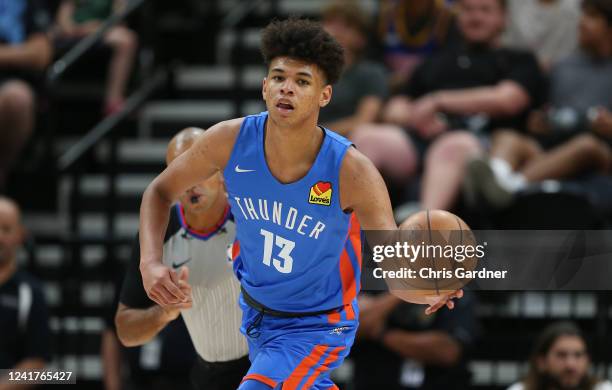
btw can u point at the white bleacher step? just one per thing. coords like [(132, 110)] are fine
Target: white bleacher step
[(136, 151), (182, 111), (314, 7), (97, 294), (293, 7), (126, 184), (227, 39), (500, 373), (47, 224), (252, 107), (226, 6), (94, 224), (534, 305), (90, 224), (53, 293), (251, 37), (189, 111), (217, 77), (84, 367)]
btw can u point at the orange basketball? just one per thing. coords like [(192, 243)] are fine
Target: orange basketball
[(442, 246)]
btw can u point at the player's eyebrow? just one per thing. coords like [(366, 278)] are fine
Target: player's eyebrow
[(281, 70)]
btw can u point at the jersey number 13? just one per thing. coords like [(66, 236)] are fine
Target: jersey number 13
[(284, 263)]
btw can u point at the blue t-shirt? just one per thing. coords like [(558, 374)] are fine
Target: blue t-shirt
[(21, 18)]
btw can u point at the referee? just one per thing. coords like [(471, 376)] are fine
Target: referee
[(198, 236)]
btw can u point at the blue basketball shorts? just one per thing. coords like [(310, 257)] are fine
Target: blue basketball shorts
[(296, 353)]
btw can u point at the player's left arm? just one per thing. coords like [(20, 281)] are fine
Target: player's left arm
[(363, 191)]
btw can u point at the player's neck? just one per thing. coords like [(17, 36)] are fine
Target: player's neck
[(293, 144), (7, 269), (209, 219), (290, 152)]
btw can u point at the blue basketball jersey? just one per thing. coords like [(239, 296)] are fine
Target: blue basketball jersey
[(296, 250)]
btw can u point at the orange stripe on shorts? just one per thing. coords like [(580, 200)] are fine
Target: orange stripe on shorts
[(333, 356), (260, 378), (305, 365)]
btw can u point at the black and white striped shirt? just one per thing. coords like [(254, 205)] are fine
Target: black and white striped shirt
[(214, 320)]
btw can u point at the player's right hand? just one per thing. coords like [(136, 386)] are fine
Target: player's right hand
[(161, 284), (439, 302), (171, 312)]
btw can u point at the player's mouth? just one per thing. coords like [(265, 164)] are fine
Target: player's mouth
[(284, 107)]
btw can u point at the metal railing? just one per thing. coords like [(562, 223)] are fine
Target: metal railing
[(59, 67), (69, 164)]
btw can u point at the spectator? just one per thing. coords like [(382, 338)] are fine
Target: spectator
[(546, 27), (23, 312), (560, 361), (79, 18), (359, 94), (399, 349), (575, 133), (410, 31), (24, 53), (475, 86)]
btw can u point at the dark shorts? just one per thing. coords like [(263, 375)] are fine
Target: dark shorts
[(559, 138), (219, 375), (36, 80)]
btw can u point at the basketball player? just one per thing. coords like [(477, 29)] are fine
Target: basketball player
[(197, 238), (292, 186)]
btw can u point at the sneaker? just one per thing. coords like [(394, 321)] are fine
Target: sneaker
[(481, 184)]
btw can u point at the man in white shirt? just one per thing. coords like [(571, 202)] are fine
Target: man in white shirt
[(560, 361)]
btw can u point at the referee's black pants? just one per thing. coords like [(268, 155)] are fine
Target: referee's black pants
[(219, 375)]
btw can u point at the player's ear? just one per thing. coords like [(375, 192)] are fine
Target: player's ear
[(326, 95), (264, 87)]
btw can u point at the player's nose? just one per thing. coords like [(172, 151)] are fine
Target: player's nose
[(287, 87)]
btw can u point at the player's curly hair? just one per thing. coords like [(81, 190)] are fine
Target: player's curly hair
[(304, 40)]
